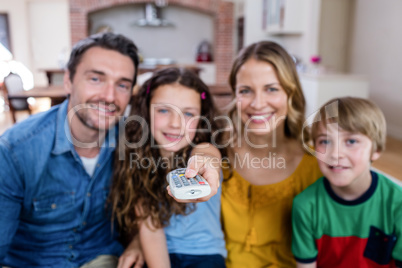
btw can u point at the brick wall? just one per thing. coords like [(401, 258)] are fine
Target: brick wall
[(221, 10)]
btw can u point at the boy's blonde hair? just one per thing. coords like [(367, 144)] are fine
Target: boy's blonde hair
[(355, 115)]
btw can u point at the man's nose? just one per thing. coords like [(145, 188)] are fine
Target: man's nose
[(109, 93)]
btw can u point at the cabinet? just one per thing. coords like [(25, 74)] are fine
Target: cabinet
[(282, 17), (320, 88)]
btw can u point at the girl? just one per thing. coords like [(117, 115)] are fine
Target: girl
[(178, 107)]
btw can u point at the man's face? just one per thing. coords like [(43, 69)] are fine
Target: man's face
[(101, 88)]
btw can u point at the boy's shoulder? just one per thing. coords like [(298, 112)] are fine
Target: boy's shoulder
[(311, 194), (390, 188)]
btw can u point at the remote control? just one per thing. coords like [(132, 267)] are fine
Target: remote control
[(187, 188)]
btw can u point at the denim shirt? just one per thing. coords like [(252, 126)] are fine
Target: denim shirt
[(52, 213)]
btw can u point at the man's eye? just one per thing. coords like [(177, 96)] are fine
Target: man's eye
[(94, 79), (124, 87)]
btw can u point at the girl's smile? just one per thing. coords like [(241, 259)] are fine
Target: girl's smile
[(175, 111)]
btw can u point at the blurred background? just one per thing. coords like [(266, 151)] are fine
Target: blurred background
[(341, 47)]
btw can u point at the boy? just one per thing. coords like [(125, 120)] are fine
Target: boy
[(351, 217)]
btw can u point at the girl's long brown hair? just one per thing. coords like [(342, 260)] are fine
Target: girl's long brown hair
[(143, 189)]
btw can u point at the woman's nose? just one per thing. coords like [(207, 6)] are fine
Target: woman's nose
[(258, 101)]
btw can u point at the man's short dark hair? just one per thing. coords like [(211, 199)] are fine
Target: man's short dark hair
[(112, 41)]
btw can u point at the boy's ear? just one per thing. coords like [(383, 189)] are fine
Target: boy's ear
[(375, 156)]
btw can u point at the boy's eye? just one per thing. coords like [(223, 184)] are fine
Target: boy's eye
[(351, 141), (323, 142)]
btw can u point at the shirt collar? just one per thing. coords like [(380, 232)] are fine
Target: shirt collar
[(63, 140)]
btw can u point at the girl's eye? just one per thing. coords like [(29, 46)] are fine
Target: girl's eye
[(163, 111), (188, 114)]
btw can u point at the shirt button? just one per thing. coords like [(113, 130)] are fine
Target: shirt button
[(88, 194), (70, 246), (84, 223), (97, 165), (75, 230), (53, 206)]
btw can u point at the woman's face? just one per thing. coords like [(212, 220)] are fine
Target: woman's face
[(263, 101)]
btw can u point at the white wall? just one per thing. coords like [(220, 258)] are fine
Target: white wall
[(334, 33), (19, 31), (49, 25), (39, 31), (375, 51), (179, 42), (303, 45)]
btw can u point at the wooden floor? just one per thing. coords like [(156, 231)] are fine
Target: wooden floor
[(390, 161)]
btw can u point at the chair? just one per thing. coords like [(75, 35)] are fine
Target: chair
[(13, 84)]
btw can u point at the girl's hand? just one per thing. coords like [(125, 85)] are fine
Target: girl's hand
[(205, 160), (132, 256)]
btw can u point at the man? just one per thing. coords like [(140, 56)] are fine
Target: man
[(56, 166)]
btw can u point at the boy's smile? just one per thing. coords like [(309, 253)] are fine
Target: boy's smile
[(344, 159)]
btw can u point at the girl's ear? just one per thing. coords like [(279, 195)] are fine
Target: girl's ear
[(375, 156)]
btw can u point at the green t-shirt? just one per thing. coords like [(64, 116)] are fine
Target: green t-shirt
[(339, 233)]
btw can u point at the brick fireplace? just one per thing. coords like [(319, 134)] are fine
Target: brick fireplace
[(221, 11)]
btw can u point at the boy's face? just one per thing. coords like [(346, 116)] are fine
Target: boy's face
[(344, 157)]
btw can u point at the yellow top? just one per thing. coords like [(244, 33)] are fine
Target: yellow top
[(257, 218)]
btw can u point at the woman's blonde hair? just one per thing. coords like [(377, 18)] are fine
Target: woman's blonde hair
[(355, 115), (284, 66)]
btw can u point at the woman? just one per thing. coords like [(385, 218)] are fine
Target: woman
[(268, 166)]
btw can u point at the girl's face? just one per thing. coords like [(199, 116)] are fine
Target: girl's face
[(175, 111), (263, 101)]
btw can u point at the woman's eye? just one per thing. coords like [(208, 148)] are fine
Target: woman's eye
[(244, 91), (272, 89)]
